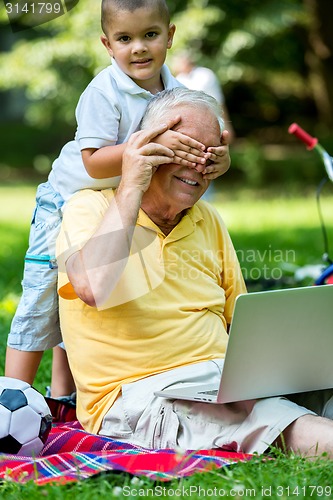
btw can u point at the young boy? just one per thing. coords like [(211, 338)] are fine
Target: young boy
[(137, 35)]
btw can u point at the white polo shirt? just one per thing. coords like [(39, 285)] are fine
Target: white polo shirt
[(108, 113)]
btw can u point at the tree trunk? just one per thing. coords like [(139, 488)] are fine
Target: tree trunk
[(319, 57)]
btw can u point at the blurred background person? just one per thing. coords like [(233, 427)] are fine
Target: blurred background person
[(201, 78)]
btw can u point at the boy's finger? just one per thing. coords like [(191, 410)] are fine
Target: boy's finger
[(225, 138), (217, 151), (209, 169), (200, 168), (212, 176), (190, 157), (185, 163), (191, 143), (211, 155)]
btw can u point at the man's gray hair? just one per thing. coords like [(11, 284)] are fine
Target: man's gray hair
[(160, 105)]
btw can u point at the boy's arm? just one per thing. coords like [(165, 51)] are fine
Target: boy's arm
[(104, 162)]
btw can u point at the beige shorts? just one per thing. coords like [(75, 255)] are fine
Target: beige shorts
[(138, 417)]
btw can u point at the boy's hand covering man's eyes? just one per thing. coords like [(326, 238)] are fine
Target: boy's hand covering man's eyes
[(218, 159), (211, 162), (188, 151)]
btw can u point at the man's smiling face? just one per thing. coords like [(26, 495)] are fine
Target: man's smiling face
[(176, 185)]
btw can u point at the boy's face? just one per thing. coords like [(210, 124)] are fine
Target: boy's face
[(138, 41)]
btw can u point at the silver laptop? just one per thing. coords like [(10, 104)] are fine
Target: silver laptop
[(280, 342)]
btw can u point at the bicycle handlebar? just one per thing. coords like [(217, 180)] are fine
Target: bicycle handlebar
[(312, 143), (300, 133)]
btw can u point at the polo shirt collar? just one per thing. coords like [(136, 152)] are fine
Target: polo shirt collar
[(185, 227), (126, 84), (167, 78)]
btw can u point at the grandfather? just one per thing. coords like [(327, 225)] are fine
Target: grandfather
[(148, 280)]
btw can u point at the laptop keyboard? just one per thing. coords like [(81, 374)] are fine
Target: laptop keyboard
[(210, 393)]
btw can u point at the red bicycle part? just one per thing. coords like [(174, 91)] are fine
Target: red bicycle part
[(300, 133)]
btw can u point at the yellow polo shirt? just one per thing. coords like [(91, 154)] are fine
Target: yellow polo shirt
[(170, 307)]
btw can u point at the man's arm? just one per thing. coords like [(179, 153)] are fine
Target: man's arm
[(95, 269)]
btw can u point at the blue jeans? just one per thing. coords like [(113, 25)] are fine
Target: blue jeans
[(35, 326)]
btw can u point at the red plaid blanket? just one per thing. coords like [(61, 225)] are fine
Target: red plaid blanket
[(71, 454)]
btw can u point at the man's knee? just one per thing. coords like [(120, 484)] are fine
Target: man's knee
[(308, 435)]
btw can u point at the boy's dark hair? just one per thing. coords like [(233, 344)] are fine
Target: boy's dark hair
[(110, 7)]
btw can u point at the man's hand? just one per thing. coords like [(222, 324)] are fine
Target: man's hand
[(141, 158), (218, 159), (95, 270)]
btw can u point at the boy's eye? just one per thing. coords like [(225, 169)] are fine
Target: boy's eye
[(151, 34), (124, 38)]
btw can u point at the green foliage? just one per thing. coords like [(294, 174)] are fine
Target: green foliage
[(55, 65), (258, 49), (54, 62)]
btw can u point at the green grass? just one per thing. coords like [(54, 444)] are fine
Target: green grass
[(269, 229), (283, 477), (16, 207), (275, 233)]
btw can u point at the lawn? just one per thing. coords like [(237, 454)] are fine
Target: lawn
[(274, 232)]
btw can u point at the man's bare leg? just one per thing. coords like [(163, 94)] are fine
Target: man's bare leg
[(22, 364), (309, 436)]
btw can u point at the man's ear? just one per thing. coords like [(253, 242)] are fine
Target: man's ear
[(171, 34), (106, 43)]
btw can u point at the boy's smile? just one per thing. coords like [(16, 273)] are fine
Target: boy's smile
[(138, 41)]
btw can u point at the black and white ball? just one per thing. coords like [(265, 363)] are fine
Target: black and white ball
[(25, 418)]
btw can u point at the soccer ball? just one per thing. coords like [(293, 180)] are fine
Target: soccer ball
[(25, 418)]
